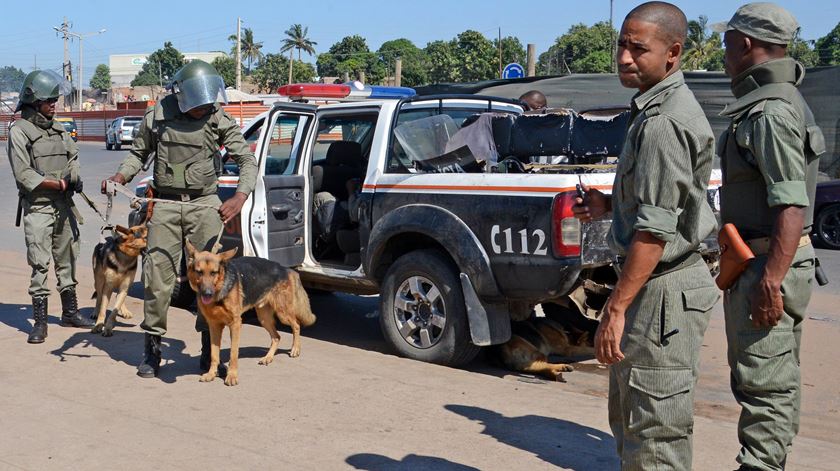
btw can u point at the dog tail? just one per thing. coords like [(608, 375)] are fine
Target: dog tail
[(302, 308)]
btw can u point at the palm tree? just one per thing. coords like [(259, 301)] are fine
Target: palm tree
[(296, 38), (250, 48), (699, 47)]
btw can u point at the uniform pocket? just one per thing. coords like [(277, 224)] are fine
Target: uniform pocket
[(701, 299), (661, 403), (177, 147), (816, 140), (200, 174), (766, 362)]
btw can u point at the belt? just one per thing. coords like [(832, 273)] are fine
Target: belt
[(663, 268), (761, 245), (177, 196)]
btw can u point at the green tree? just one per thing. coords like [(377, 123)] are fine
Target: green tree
[(101, 79), (414, 62), (160, 66), (512, 51), (442, 63), (270, 73), (297, 37), (352, 56), (803, 51), (250, 49), (583, 49), (702, 51), (475, 57), (828, 47), (11, 79), (226, 66)]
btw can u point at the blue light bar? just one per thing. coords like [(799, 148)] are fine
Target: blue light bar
[(378, 91)]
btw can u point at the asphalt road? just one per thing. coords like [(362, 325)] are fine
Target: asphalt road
[(74, 402)]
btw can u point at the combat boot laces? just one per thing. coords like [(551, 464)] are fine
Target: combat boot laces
[(39, 313), (70, 315)]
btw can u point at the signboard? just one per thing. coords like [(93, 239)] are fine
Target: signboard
[(512, 71)]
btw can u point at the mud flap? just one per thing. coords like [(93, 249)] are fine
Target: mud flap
[(489, 324)]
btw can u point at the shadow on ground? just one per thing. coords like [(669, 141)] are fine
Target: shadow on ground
[(373, 462), (555, 441)]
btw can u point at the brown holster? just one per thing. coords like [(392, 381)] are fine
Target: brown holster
[(735, 256)]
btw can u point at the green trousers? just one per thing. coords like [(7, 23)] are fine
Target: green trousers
[(169, 226), (651, 393), (51, 233), (764, 363)]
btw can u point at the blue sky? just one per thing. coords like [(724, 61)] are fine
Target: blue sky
[(27, 36)]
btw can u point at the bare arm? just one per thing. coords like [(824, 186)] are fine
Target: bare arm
[(767, 305)]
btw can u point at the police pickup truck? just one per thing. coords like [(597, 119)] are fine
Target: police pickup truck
[(373, 190)]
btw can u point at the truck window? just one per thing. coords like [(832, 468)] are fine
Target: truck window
[(284, 144), (343, 127), (422, 134)]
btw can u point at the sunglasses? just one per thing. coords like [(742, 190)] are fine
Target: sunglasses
[(50, 100)]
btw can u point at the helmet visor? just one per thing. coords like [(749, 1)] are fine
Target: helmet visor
[(198, 91)]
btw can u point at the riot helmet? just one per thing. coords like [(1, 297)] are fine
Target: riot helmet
[(42, 85), (196, 84)]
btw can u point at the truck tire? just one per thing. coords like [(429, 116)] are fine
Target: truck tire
[(827, 227), (422, 311), (108, 145), (117, 145)]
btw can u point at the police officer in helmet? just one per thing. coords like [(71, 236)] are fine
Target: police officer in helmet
[(45, 163), (185, 131)]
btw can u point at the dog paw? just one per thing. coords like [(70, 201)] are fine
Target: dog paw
[(97, 328), (209, 376), (232, 378), (294, 352), (266, 360), (108, 332), (567, 368), (125, 313)]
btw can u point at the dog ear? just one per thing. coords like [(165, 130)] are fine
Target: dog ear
[(229, 254), (190, 249), (122, 230)]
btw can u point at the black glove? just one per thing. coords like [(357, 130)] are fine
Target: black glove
[(74, 186)]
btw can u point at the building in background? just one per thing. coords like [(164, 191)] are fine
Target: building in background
[(124, 67)]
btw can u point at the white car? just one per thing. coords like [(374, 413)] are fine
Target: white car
[(119, 132)]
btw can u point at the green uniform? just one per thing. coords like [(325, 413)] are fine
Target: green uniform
[(660, 188), (184, 168), (769, 158), (40, 149)]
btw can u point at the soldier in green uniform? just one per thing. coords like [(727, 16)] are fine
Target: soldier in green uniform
[(653, 323), (769, 159), (185, 131), (45, 163)]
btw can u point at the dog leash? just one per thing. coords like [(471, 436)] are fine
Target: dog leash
[(112, 188)]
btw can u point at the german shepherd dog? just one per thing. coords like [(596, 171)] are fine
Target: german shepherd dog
[(533, 340), (228, 287), (114, 266)]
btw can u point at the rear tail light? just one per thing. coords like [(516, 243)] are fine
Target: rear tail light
[(565, 228)]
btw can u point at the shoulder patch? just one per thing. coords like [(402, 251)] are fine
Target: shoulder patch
[(757, 109)]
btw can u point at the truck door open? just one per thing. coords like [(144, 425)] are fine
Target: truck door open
[(277, 216)]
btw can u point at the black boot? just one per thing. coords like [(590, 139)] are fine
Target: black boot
[(204, 360), (151, 357), (39, 312), (70, 315)]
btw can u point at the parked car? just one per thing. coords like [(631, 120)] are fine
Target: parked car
[(119, 132), (70, 125), (826, 230), (135, 130)]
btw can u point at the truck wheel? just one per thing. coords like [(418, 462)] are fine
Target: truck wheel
[(422, 311), (117, 145), (827, 227), (108, 145)]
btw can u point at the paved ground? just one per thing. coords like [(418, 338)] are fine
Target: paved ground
[(74, 402)]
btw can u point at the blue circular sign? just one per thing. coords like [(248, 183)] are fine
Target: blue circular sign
[(512, 71)]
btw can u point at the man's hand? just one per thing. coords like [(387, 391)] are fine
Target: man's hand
[(232, 206), (593, 205), (767, 306), (608, 336), (117, 177), (71, 185)]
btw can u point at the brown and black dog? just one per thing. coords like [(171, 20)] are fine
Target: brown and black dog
[(228, 287), (533, 340), (114, 265)]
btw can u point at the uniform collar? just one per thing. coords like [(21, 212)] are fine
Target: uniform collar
[(657, 92), (785, 70)]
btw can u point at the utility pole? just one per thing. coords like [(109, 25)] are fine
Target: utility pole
[(66, 69), (500, 52), (238, 54), (532, 60), (612, 39), (398, 72), (80, 36)]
